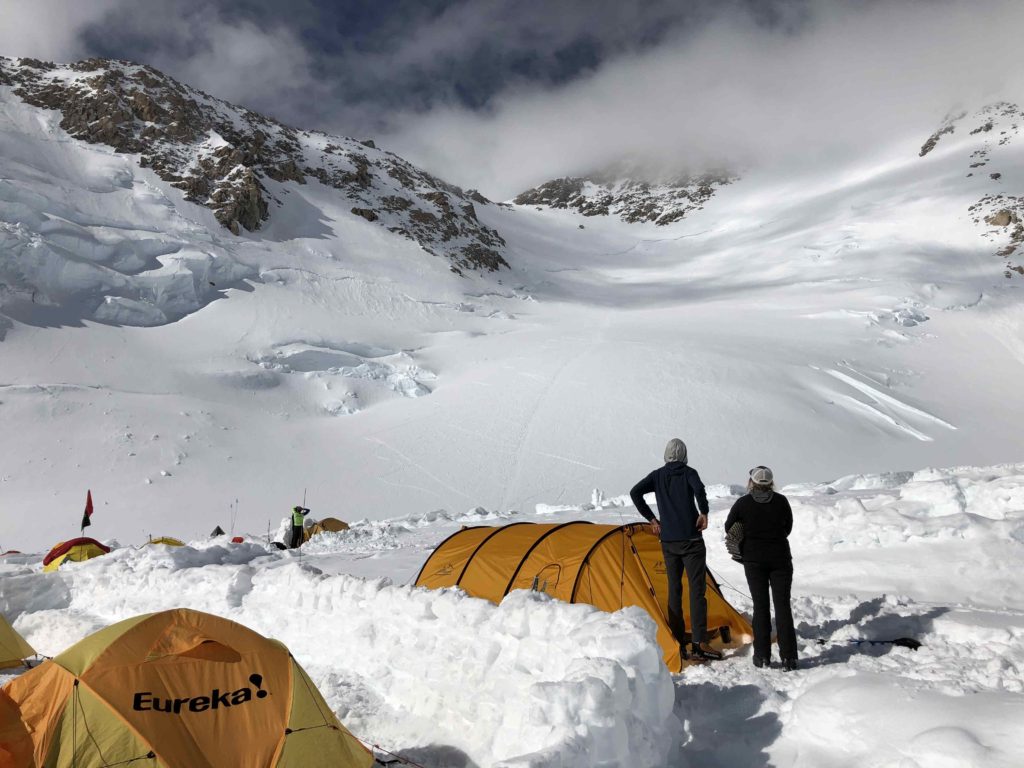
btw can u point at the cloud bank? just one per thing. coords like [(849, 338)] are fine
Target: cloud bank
[(503, 96), (848, 80)]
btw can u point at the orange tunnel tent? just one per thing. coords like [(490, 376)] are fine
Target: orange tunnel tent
[(14, 649), (169, 541), (607, 566), (327, 525), (174, 689)]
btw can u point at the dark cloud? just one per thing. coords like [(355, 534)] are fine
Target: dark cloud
[(500, 95), (352, 64), (813, 87)]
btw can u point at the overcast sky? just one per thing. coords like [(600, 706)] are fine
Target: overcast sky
[(504, 95)]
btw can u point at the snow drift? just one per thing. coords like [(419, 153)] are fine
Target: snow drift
[(450, 680)]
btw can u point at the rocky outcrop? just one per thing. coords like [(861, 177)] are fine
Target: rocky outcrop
[(996, 125), (221, 156), (1002, 218), (1007, 226), (661, 202), (947, 127), (366, 213)]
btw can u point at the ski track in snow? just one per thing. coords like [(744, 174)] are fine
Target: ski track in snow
[(569, 461), (549, 386), (410, 462), (651, 241)]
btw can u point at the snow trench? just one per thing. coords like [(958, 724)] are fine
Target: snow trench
[(434, 674)]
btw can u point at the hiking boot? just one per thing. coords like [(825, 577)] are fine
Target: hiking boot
[(788, 665), (761, 662), (683, 653), (704, 652)]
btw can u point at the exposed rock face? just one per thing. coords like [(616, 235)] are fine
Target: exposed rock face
[(996, 125), (1008, 219), (948, 126), (366, 213), (221, 155), (1001, 219), (631, 200)]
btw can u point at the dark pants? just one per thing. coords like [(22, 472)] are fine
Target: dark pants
[(690, 556), (778, 577), (296, 536)]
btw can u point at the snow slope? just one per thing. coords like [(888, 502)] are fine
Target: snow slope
[(448, 680), (824, 320)]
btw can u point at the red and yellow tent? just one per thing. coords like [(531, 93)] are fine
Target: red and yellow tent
[(73, 551)]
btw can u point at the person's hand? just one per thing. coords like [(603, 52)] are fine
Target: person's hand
[(702, 522), (656, 527)]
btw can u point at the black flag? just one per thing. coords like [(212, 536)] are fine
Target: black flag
[(88, 510)]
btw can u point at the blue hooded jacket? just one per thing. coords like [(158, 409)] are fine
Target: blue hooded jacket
[(679, 493)]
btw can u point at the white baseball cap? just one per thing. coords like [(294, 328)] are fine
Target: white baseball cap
[(762, 476)]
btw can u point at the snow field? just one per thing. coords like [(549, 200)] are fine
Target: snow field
[(333, 355)]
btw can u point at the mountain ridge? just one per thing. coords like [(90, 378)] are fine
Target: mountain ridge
[(220, 155), (632, 199)]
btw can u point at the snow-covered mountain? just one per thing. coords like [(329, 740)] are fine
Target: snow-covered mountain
[(615, 192), (824, 320), (222, 156)]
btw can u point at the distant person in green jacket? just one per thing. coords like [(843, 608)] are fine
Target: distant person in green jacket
[(298, 519)]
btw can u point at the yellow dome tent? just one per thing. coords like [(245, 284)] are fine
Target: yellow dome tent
[(14, 649), (168, 540), (73, 551), (327, 525), (608, 566), (175, 689)]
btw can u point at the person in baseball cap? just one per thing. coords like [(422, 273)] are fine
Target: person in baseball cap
[(767, 520)]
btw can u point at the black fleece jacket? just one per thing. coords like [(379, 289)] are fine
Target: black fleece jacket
[(675, 486), (766, 527)]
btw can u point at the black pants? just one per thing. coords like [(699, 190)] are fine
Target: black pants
[(778, 577), (296, 536), (690, 556)]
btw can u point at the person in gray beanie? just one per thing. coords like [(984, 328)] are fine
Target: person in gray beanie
[(683, 507)]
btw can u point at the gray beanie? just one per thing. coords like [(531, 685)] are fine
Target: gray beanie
[(675, 450)]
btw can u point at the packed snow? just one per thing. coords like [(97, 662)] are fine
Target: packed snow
[(449, 680)]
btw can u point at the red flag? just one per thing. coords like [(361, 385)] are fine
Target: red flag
[(88, 510)]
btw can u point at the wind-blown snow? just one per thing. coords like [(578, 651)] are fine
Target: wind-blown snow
[(449, 680)]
